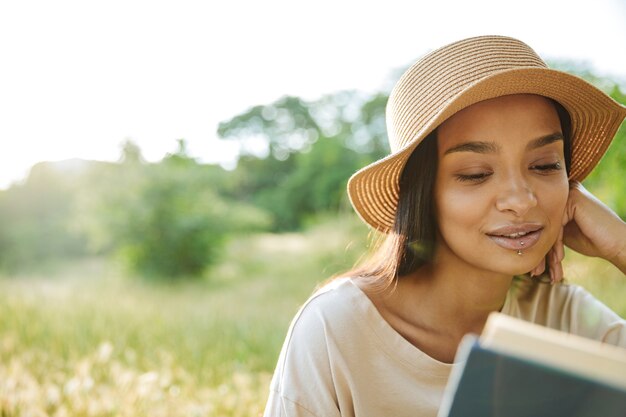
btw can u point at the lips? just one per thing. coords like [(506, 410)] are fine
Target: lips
[(516, 237)]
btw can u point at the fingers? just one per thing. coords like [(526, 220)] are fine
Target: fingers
[(556, 254), (559, 248), (554, 258), (556, 268), (539, 269)]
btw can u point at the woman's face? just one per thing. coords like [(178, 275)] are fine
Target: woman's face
[(501, 184)]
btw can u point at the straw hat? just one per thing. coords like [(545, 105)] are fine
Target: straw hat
[(458, 75)]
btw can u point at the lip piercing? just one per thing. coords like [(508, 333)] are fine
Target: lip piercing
[(519, 251)]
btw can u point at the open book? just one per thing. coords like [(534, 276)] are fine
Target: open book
[(520, 369)]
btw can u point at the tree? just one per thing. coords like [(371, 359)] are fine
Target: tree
[(166, 220), (313, 149)]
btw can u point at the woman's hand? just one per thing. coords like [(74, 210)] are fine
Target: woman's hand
[(590, 228)]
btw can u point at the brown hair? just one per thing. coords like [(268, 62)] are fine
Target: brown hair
[(411, 242)]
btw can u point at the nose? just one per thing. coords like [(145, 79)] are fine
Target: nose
[(516, 196)]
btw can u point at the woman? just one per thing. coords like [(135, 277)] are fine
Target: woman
[(477, 198)]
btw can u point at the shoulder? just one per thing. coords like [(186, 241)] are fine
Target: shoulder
[(304, 373), (566, 307), (330, 310), (334, 323)]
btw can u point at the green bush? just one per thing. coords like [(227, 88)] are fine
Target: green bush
[(36, 220), (166, 220)]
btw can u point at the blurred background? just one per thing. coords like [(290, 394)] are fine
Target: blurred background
[(172, 180)]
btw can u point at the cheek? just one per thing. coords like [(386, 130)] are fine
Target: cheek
[(553, 199), (456, 208)]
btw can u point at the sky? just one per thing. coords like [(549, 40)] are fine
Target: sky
[(78, 78)]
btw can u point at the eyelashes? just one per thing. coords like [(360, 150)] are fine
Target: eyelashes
[(548, 167), (479, 177)]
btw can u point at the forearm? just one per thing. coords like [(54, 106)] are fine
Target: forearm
[(619, 259)]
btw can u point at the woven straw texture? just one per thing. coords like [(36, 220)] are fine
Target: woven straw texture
[(458, 75)]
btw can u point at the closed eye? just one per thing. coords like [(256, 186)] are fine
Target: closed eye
[(474, 178), (547, 168)]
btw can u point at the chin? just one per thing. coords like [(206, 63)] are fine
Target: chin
[(506, 263), (509, 262), (518, 266)]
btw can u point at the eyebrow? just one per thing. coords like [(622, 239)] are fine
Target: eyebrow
[(545, 140), (490, 147)]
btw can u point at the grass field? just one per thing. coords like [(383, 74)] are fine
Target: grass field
[(88, 341)]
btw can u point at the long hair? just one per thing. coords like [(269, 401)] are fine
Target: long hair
[(411, 242)]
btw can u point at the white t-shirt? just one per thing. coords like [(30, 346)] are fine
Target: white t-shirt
[(341, 358)]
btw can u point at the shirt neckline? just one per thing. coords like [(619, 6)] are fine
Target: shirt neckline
[(396, 345)]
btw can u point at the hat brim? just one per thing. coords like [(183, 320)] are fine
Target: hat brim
[(595, 119)]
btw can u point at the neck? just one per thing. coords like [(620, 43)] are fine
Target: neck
[(454, 297)]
